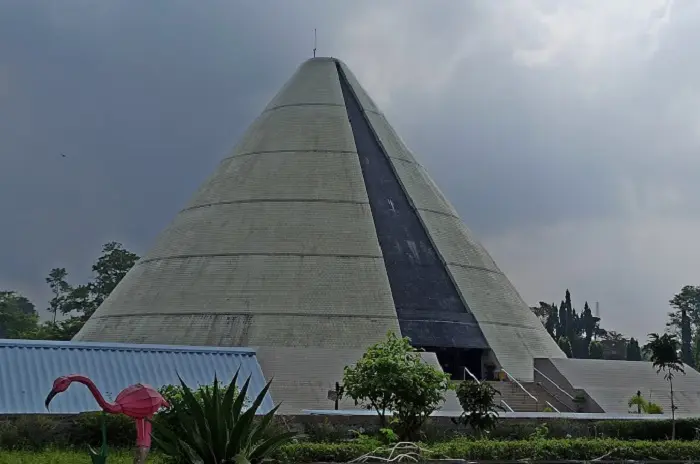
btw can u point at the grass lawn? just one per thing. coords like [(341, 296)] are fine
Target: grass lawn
[(66, 457)]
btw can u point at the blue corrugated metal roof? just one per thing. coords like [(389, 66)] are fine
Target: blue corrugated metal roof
[(29, 367)]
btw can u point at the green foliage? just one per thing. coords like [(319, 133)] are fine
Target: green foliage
[(540, 433), (633, 351), (100, 456), (18, 319), (175, 395), (17, 315), (664, 354), (388, 436), (639, 403), (479, 405), (470, 450), (59, 288), (663, 351), (685, 318), (34, 433), (67, 457), (392, 376), (595, 350), (492, 450), (217, 428), (565, 346)]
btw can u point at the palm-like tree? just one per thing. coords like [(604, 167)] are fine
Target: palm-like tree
[(663, 350)]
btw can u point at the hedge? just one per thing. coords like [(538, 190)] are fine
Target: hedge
[(488, 450), (557, 449), (40, 432)]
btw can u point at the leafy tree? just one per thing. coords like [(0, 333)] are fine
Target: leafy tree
[(109, 269), (696, 348), (686, 319), (552, 320), (541, 311), (17, 315), (595, 350), (565, 346), (80, 302), (392, 376), (633, 351), (478, 401), (548, 316), (60, 289), (664, 355)]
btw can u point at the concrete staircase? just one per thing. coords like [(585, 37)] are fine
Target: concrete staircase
[(521, 401)]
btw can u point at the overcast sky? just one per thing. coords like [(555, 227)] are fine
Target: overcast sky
[(566, 133)]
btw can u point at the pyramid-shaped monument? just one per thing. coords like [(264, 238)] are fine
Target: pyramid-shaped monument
[(317, 235)]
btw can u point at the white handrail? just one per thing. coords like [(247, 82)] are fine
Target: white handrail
[(552, 406), (520, 385), (554, 383), (472, 375), (467, 371)]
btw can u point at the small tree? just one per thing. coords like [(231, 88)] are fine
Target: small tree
[(595, 350), (663, 351), (480, 410), (565, 346), (392, 376)]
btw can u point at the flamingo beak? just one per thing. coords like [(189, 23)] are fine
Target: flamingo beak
[(52, 393)]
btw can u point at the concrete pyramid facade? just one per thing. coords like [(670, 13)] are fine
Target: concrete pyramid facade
[(314, 238)]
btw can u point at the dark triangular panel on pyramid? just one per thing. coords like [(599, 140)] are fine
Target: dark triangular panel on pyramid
[(317, 235)]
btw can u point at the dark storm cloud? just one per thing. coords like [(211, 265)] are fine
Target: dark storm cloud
[(143, 98), (556, 128)]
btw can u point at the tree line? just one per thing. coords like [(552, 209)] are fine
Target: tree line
[(580, 335), (71, 305)]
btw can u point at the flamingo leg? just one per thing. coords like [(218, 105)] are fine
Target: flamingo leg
[(143, 440)]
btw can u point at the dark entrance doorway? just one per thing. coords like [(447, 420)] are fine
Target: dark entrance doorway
[(454, 360)]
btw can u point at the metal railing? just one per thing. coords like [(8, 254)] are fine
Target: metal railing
[(467, 371), (513, 379), (552, 406), (555, 384)]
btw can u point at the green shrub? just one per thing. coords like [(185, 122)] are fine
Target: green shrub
[(686, 429), (392, 376), (479, 405), (573, 449), (174, 394), (86, 430), (217, 427)]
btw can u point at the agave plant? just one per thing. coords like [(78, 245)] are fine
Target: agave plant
[(219, 429)]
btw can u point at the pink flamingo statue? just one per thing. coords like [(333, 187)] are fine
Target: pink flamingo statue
[(140, 402)]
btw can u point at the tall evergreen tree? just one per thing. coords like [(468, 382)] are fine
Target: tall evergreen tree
[(590, 322), (686, 319), (570, 317), (562, 330)]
